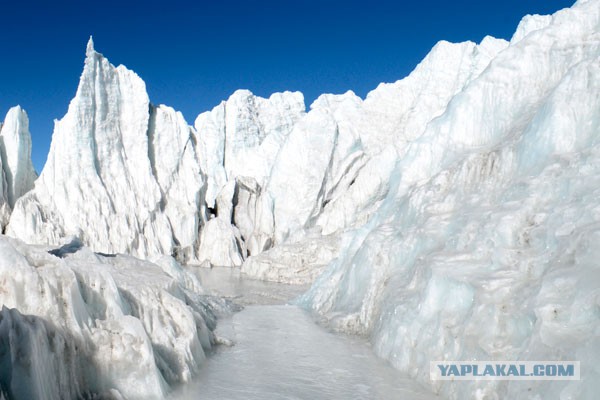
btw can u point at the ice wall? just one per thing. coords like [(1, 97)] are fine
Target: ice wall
[(454, 213), (334, 170), (483, 248), (126, 176)]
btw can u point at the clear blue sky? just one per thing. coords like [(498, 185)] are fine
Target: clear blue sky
[(193, 54)]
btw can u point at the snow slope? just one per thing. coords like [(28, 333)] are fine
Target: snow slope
[(77, 324), (483, 249), (16, 169)]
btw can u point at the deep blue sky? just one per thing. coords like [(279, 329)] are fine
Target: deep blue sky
[(193, 54)]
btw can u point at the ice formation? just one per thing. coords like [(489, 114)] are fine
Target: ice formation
[(126, 176), (483, 248), (122, 175), (78, 324), (449, 215), (16, 169)]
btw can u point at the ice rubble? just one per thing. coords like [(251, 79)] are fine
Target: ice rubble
[(78, 324), (16, 169), (483, 249)]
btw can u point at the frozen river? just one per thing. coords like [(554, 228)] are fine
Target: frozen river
[(281, 353)]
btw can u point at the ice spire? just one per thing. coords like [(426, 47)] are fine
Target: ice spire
[(89, 51), (15, 151)]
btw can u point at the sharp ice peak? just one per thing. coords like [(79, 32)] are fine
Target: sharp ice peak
[(89, 51)]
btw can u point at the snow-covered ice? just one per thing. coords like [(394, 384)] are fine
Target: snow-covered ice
[(122, 175)]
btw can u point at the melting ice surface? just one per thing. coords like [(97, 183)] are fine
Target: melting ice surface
[(279, 352), (229, 283)]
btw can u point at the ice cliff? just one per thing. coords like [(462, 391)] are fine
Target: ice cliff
[(126, 176), (483, 248)]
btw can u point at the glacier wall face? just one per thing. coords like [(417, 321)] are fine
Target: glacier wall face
[(78, 324), (242, 136), (16, 169), (483, 248)]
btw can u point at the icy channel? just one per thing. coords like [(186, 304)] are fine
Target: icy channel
[(279, 352)]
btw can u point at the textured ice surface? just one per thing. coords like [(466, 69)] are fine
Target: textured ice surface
[(334, 169), (126, 176), (242, 136), (454, 212), (484, 246), (16, 170), (295, 263), (76, 324)]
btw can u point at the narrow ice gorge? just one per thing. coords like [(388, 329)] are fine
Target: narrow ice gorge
[(450, 215)]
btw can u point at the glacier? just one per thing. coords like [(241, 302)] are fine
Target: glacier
[(450, 215)]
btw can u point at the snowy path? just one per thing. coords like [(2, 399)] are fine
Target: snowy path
[(280, 353)]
